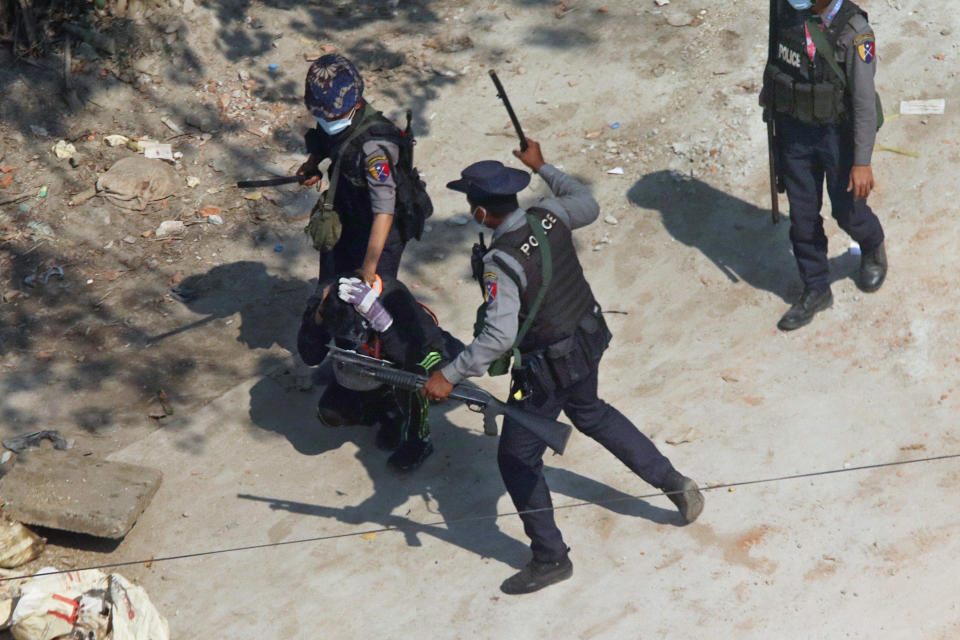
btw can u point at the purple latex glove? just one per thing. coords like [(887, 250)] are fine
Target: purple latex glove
[(366, 301)]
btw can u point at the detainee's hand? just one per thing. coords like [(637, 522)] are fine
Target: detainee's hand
[(532, 157), (861, 181), (437, 387), (310, 168)]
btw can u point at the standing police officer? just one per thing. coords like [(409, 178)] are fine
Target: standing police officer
[(819, 87), (354, 225), (539, 306)]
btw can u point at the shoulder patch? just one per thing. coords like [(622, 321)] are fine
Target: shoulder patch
[(489, 291), (379, 168), (867, 50)]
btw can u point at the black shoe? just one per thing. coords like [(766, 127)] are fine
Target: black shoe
[(873, 269), (802, 312), (685, 494), (410, 455), (537, 575)]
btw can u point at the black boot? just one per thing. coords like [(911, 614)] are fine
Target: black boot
[(802, 312), (873, 269), (537, 575), (685, 494), (410, 455)]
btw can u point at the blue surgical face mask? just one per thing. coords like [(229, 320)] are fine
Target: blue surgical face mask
[(800, 5), (333, 127)]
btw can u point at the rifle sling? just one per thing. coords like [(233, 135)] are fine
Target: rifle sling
[(546, 272), (366, 121)]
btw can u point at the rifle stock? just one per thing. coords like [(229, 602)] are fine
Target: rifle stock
[(348, 366)]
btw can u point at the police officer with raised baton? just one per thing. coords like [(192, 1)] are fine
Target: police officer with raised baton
[(819, 87), (540, 312)]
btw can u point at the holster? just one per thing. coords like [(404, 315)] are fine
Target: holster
[(568, 361)]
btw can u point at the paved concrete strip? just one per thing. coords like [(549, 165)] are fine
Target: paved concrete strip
[(60, 490)]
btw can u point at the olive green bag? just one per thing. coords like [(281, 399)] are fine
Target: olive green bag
[(501, 365)]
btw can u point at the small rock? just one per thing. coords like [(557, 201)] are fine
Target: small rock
[(215, 219), (689, 435), (192, 181), (170, 228), (129, 239), (611, 220)]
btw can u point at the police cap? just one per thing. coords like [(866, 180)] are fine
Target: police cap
[(490, 179)]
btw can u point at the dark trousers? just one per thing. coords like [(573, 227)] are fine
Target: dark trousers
[(347, 255), (809, 155), (521, 456)]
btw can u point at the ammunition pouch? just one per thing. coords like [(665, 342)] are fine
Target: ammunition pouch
[(566, 362), (817, 104), (324, 227)]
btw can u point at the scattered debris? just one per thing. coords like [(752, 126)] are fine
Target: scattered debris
[(21, 443), (902, 152), (192, 181), (116, 140), (40, 230), (215, 219), (210, 210), (64, 150), (173, 126), (157, 150), (616, 171), (610, 220)]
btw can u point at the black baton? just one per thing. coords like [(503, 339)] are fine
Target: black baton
[(506, 103), (274, 182)]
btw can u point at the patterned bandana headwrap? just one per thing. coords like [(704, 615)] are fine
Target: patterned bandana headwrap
[(333, 87)]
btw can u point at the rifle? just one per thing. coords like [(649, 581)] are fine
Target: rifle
[(356, 371), (776, 180), (506, 103)]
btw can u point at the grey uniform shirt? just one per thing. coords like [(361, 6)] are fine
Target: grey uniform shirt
[(380, 159), (573, 204), (857, 55)]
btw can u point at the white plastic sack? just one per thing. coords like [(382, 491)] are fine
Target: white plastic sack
[(49, 604), (134, 616)]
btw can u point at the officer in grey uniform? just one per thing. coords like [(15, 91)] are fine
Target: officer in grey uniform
[(538, 305), (820, 89)]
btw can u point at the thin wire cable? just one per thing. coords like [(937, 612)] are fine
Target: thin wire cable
[(574, 505)]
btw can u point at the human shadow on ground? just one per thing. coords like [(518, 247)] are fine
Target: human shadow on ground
[(461, 478), (738, 237)]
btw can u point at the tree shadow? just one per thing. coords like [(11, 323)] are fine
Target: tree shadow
[(735, 235)]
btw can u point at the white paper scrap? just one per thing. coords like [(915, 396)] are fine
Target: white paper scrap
[(923, 107)]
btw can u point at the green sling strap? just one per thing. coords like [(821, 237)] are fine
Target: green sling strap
[(501, 365), (829, 54)]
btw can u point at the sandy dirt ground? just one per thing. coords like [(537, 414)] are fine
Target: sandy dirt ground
[(684, 247)]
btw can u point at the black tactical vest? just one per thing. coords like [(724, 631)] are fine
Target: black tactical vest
[(569, 294), (352, 198), (801, 88)]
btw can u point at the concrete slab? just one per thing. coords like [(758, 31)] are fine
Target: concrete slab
[(61, 490)]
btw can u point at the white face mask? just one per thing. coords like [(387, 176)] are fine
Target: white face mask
[(333, 127), (800, 5)]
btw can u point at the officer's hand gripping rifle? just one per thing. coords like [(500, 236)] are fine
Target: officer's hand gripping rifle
[(354, 370), (506, 103)]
